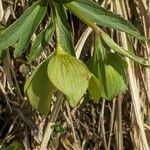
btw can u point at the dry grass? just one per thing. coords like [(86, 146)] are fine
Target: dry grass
[(123, 123)]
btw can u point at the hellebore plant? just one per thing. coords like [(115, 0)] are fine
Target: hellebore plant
[(103, 76)]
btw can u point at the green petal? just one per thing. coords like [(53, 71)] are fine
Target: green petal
[(69, 75)]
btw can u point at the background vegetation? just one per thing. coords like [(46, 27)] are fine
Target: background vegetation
[(123, 123)]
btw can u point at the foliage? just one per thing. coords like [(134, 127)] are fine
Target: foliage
[(20, 32), (61, 70), (14, 146)]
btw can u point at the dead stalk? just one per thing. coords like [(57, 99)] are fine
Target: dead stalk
[(52, 120), (103, 125), (111, 123)]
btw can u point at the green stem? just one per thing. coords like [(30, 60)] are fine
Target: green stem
[(81, 17)]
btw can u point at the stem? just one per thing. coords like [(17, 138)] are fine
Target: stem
[(119, 130), (102, 125), (52, 120), (72, 9), (111, 123)]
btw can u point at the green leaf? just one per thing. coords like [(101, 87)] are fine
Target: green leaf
[(90, 12), (69, 75), (40, 42), (100, 53), (111, 75), (94, 89), (20, 32), (63, 31), (1, 27), (114, 81), (15, 145), (122, 51), (39, 88), (109, 68), (63, 1)]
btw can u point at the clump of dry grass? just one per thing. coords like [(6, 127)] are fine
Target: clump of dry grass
[(123, 123)]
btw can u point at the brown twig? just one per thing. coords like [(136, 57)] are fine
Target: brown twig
[(53, 117)]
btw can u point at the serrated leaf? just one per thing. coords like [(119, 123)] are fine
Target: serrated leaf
[(39, 88), (40, 42), (94, 89), (20, 32), (122, 51), (89, 11), (63, 32), (69, 75)]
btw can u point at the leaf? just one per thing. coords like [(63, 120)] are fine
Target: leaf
[(89, 11), (39, 88), (63, 1), (40, 42), (100, 52), (69, 75), (113, 83), (110, 69), (94, 89), (63, 32), (1, 27), (20, 32), (122, 51), (15, 145), (111, 75)]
